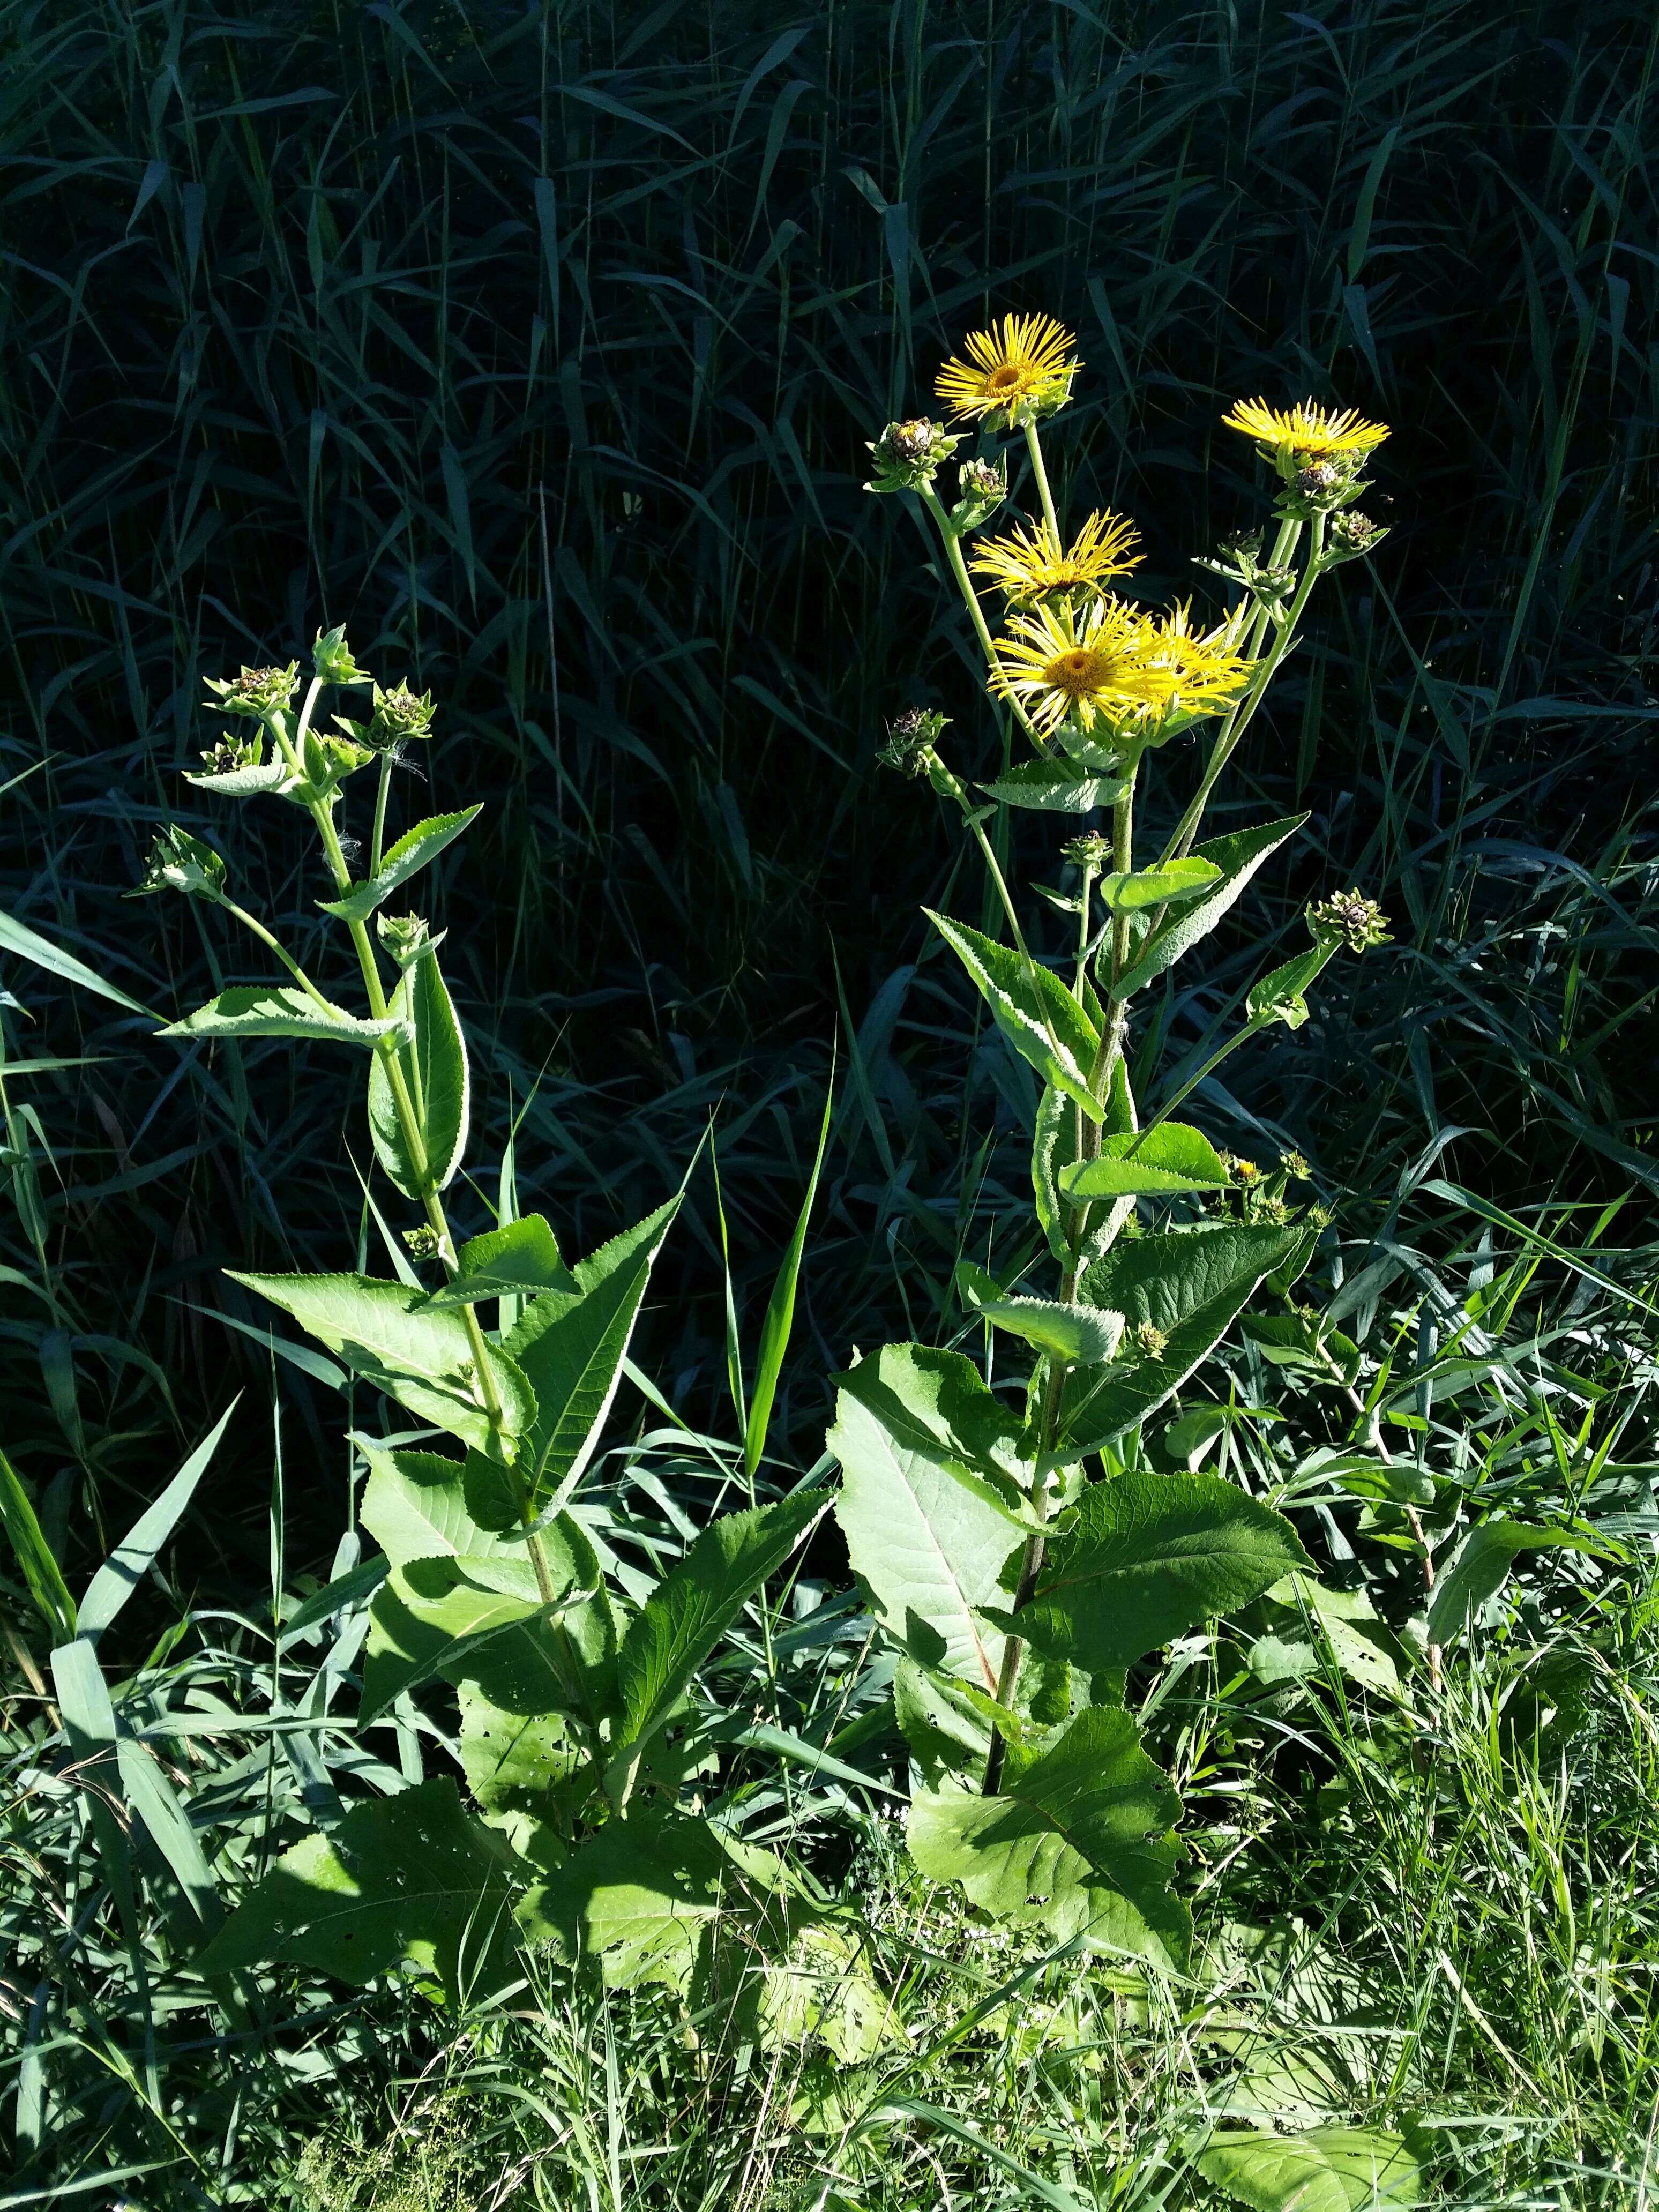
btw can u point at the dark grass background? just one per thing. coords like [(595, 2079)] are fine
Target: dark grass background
[(538, 346)]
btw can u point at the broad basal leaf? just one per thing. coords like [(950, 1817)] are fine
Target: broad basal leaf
[(694, 1606), (1169, 1159), (435, 1071), (515, 1763), (1236, 856), (388, 1333), (1144, 1558), (1189, 1287), (1325, 2170), (1080, 1842), (1032, 1008), (274, 1010), (432, 1617), (572, 1349), (412, 1877), (411, 853), (519, 1261), (927, 1534), (1172, 885)]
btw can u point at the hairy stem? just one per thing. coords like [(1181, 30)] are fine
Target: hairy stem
[(1034, 447)]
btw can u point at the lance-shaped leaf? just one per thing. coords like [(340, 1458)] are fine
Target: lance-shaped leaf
[(520, 1260), (1279, 996), (1056, 786), (388, 1333), (572, 1348), (693, 1607), (1189, 1287), (1032, 1008), (278, 1011), (436, 1082), (1144, 1558), (1236, 856), (254, 781), (1483, 1563), (433, 1618), (1081, 1333), (1167, 1160), (1172, 885), (411, 853), (412, 1877), (1056, 1145), (928, 1525), (1080, 1842), (415, 1508), (1324, 2169)]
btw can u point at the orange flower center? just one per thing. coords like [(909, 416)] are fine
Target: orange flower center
[(1006, 379), (1079, 672)]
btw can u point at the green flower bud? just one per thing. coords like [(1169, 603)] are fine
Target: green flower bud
[(424, 1243), (1350, 920), (179, 862), (1151, 1342), (1091, 850), (399, 714), (911, 736), (256, 691), (233, 752), (330, 656), (982, 490), (406, 937), (907, 455)]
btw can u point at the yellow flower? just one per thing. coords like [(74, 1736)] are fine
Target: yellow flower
[(1306, 432), (1028, 566), (1028, 360), (1089, 668), (1200, 675)]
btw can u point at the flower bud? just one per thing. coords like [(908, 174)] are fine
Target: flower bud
[(911, 736), (1351, 534), (907, 455), (424, 1243), (1090, 851), (232, 753), (1349, 918), (406, 937), (179, 862), (1151, 1340), (256, 691), (330, 656), (981, 488)]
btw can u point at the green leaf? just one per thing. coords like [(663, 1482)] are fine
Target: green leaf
[(435, 1076), (781, 1313), (1238, 856), (1347, 1619), (1032, 1008), (1169, 1159), (415, 1508), (1146, 1558), (1057, 786), (1190, 1285), (515, 1762), (927, 1528), (1070, 1332), (1326, 2170), (270, 1010), (1055, 1147), (821, 1991), (134, 1556), (16, 937), (407, 858), (519, 1261), (1277, 996), (432, 1617), (411, 1877), (1482, 1567), (692, 1608), (1080, 1842), (1169, 885), (35, 1556), (388, 1333), (572, 1349)]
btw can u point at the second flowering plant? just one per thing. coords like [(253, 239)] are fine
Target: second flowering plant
[(1017, 1546)]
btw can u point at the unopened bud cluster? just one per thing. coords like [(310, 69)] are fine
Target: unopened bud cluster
[(911, 736), (907, 455), (179, 862), (232, 753), (406, 937), (399, 714), (1350, 919), (1090, 851), (256, 691), (424, 1243)]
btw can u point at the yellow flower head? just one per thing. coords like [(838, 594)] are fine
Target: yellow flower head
[(1088, 668), (1026, 361), (1305, 432), (1197, 674), (1027, 567)]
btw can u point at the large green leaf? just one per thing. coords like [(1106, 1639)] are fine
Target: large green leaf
[(411, 853), (388, 1333), (432, 1617), (1032, 1008), (572, 1349), (1189, 1287), (1237, 855), (412, 1877), (281, 1011), (927, 1524), (1144, 1558), (1075, 1333), (415, 1508), (517, 1260), (1080, 1842), (693, 1607), (1055, 787), (1056, 1145), (42, 1573), (435, 1073), (515, 1762), (1482, 1566), (1172, 885), (1326, 2170), (1172, 1157)]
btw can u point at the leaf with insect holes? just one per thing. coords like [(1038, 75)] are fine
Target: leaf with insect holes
[(436, 1082), (385, 1333), (1079, 1842), (1033, 1009), (1144, 1558), (413, 1877), (268, 1010), (1236, 856), (1169, 1159), (413, 851)]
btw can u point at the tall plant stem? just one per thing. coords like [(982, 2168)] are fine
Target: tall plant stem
[(1034, 447), (952, 543), (415, 1145), (377, 847)]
